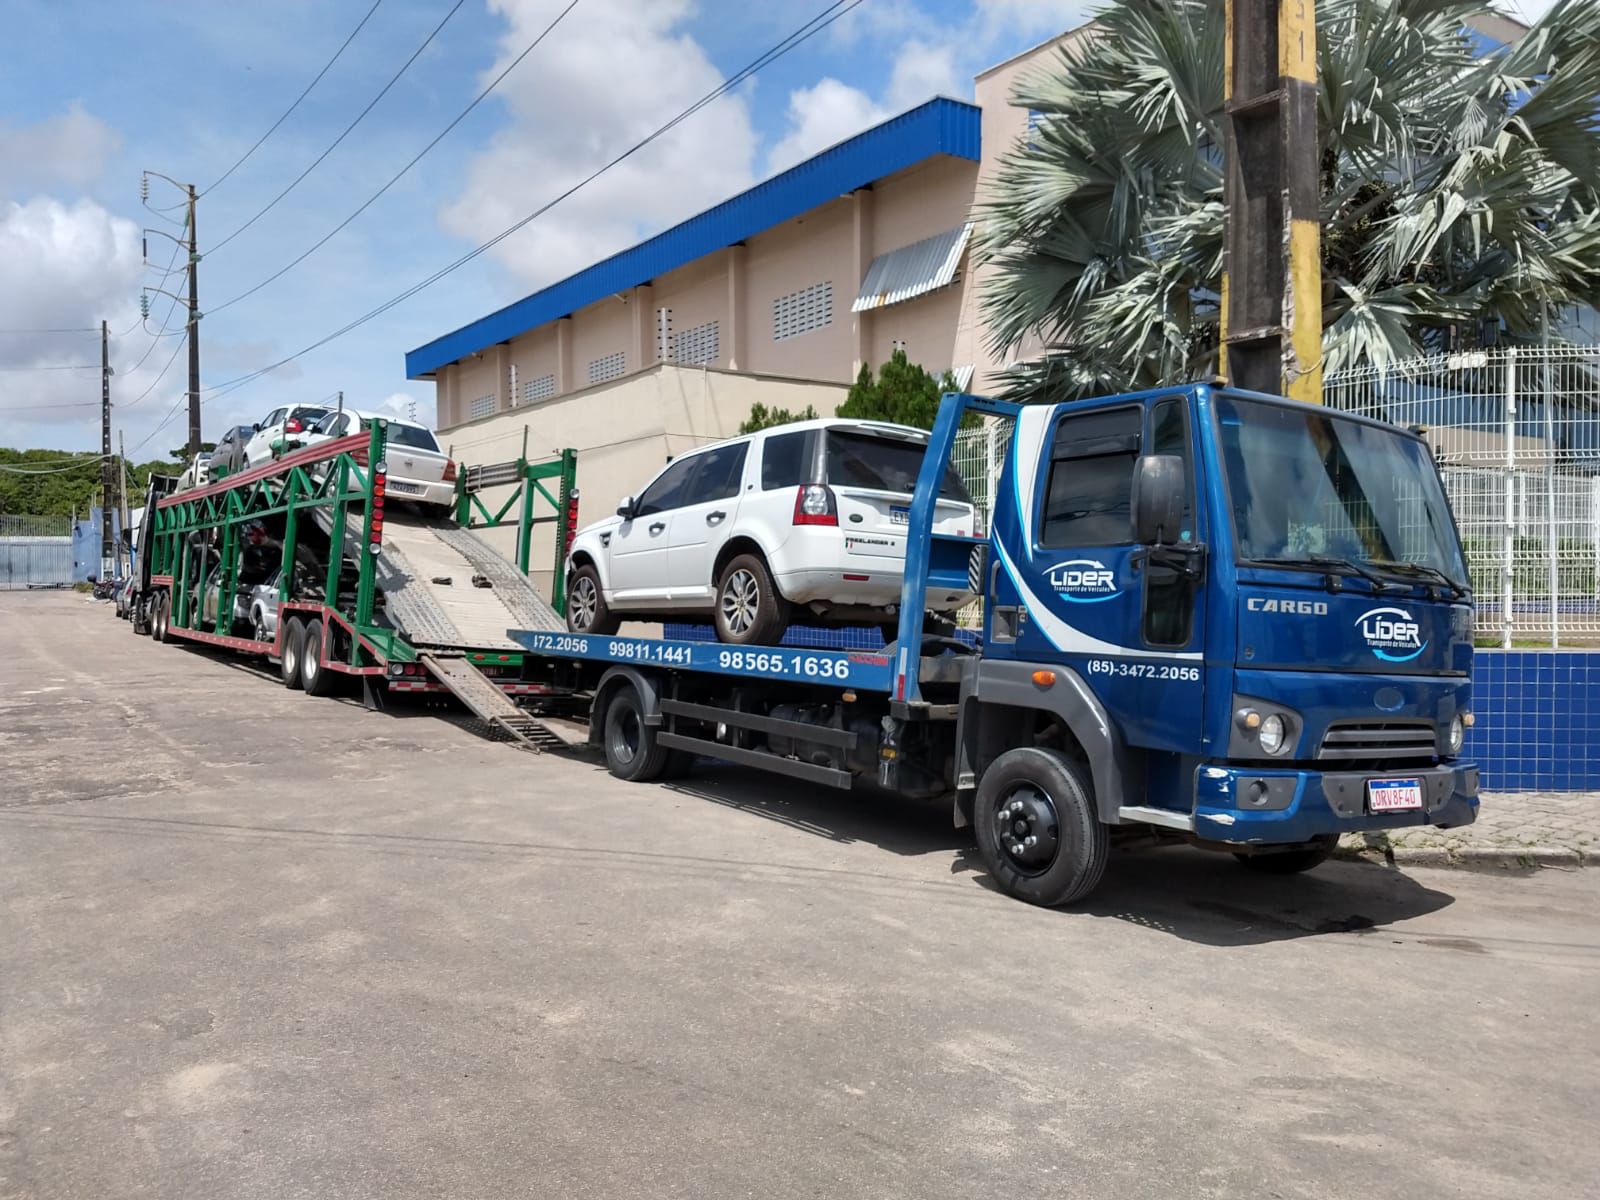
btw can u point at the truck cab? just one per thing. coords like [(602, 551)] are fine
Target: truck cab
[(1231, 617)]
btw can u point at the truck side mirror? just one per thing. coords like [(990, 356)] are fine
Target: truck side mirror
[(1159, 488), (625, 509)]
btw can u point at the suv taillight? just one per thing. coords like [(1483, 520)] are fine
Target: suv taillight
[(449, 475), (814, 505)]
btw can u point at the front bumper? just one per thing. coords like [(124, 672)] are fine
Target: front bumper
[(1258, 805)]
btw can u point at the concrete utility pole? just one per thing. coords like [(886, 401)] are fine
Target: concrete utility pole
[(122, 490), (108, 548), (193, 301), (1272, 264), (194, 332)]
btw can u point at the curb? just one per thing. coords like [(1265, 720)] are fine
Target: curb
[(1377, 849)]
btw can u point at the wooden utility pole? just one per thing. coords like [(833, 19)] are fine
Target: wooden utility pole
[(108, 548), (1272, 265)]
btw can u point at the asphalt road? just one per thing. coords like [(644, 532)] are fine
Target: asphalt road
[(254, 944)]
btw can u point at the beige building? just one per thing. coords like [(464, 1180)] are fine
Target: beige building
[(777, 295)]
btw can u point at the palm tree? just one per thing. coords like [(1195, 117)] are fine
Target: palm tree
[(1459, 190)]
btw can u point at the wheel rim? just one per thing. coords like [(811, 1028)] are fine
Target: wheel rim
[(625, 734), (585, 601), (291, 658), (1027, 830), (312, 653), (741, 598)]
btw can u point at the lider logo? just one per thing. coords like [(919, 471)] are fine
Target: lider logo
[(1393, 634), (1083, 581)]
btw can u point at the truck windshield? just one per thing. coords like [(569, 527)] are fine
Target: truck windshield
[(1313, 486)]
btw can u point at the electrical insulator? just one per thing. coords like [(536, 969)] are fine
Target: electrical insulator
[(144, 306), (144, 187)]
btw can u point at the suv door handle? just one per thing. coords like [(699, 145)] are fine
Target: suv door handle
[(713, 517), (657, 527)]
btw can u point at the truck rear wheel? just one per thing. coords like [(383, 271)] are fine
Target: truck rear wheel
[(1037, 828), (159, 608), (1290, 862), (632, 752), (313, 678), (293, 642)]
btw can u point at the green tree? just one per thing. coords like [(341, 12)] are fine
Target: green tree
[(60, 482), (1458, 191), (903, 393), (762, 417)]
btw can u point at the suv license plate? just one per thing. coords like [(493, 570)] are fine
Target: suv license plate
[(408, 488), (899, 514), (1393, 795)]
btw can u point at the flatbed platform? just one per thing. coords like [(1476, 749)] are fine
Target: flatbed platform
[(860, 670)]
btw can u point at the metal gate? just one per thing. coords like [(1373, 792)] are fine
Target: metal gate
[(35, 552)]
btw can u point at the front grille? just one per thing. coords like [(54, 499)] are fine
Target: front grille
[(1380, 740)]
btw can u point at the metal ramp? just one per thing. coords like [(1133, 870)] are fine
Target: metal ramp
[(486, 701), (445, 586)]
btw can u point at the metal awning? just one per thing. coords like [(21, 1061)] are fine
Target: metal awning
[(913, 270)]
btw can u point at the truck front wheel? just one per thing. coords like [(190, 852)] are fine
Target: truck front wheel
[(1037, 829)]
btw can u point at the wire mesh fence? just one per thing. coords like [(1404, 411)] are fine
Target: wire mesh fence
[(35, 551), (1516, 432)]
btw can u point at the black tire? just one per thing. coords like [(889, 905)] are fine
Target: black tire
[(632, 752), (1290, 862), (159, 609), (291, 648), (586, 605), (316, 679), (1041, 794), (749, 610)]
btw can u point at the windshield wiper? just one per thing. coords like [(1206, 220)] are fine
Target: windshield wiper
[(1427, 572), (1378, 582)]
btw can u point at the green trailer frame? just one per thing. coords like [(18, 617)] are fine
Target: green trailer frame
[(528, 483)]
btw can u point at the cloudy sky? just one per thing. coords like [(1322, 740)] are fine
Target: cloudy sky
[(96, 91)]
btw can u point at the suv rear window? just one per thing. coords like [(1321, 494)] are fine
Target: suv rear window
[(884, 464), (414, 436), (307, 415)]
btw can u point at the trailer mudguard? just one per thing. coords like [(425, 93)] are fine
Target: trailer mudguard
[(647, 685), (1069, 698)]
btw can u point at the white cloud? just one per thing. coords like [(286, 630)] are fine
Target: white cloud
[(408, 407), (820, 115), (613, 71), (926, 69), (70, 148)]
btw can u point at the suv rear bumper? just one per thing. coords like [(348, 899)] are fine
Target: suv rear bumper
[(1257, 805), (880, 588)]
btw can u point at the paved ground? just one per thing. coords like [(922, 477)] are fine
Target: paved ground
[(1512, 830), (270, 947)]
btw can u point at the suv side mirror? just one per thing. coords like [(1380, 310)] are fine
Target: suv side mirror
[(1159, 488), (625, 509)]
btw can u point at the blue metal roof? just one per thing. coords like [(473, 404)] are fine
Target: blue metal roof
[(938, 127)]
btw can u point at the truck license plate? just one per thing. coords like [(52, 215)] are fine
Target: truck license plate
[(1393, 795), (899, 514)]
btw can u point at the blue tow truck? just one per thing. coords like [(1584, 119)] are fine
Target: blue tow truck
[(1208, 615)]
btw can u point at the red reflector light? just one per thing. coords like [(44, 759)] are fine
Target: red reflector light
[(858, 578)]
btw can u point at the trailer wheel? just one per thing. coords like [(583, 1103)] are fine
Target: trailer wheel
[(1290, 862), (749, 612), (315, 680), (289, 664), (1037, 829), (632, 752), (159, 608)]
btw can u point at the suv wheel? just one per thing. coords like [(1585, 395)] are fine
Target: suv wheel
[(586, 605), (750, 612)]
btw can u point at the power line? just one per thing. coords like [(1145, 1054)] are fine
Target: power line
[(52, 407), (57, 367), (804, 33), (372, 199), (70, 329), (154, 382), (325, 68), (51, 462), (87, 462), (361, 116)]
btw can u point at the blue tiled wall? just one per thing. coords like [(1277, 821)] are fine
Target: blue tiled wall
[(1538, 710), (1538, 719)]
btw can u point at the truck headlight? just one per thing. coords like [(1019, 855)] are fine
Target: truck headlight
[(1272, 733), (1458, 734)]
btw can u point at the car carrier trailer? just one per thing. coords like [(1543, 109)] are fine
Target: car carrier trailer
[(1209, 615), (369, 589)]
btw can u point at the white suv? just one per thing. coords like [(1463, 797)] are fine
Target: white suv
[(811, 515)]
